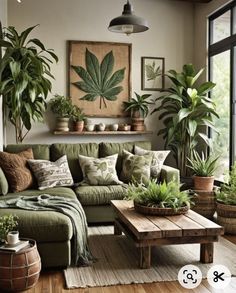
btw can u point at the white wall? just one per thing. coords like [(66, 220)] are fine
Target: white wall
[(3, 19), (170, 36)]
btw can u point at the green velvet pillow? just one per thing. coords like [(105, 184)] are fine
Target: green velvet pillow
[(3, 183), (99, 171), (136, 168)]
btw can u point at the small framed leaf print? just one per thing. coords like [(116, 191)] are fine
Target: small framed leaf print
[(99, 77), (152, 70)]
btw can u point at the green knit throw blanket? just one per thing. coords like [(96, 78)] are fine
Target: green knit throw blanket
[(72, 208)]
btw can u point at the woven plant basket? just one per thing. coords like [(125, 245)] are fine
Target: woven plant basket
[(225, 210), (229, 224), (159, 211), (204, 203)]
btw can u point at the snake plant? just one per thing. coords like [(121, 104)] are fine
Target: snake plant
[(98, 80)]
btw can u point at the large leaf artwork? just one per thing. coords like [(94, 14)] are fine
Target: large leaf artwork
[(98, 80)]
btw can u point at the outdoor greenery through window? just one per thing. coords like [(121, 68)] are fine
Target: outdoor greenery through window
[(222, 68)]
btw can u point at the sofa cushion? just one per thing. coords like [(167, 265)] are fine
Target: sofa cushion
[(3, 183), (73, 151), (51, 174), (43, 226), (111, 148), (99, 171), (136, 168), (158, 158), (40, 151), (99, 195), (16, 170)]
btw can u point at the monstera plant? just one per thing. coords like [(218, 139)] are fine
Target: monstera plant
[(98, 80), (186, 110), (24, 83)]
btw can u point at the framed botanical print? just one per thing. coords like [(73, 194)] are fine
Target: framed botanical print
[(152, 70), (99, 77)]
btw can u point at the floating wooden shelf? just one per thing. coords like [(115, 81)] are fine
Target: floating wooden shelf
[(101, 132)]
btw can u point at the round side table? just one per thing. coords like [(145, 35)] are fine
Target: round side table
[(20, 270)]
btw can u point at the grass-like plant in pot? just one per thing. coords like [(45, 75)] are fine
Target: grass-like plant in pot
[(139, 109), (226, 203), (159, 198), (7, 223), (78, 117), (62, 107), (203, 168)]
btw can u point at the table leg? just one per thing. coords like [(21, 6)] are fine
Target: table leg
[(117, 230), (206, 252), (145, 257)]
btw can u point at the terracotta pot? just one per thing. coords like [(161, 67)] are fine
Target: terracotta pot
[(62, 124), (203, 183), (138, 124), (79, 126)]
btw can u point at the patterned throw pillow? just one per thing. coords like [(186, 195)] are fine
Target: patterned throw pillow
[(51, 174), (99, 171), (136, 168), (16, 171), (158, 158)]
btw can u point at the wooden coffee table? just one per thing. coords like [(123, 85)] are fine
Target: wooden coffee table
[(148, 231)]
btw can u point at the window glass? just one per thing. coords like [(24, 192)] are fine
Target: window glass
[(220, 27), (220, 74)]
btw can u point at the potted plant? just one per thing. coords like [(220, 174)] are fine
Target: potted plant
[(7, 223), (226, 203), (186, 111), (203, 168), (63, 108), (159, 198), (139, 108), (78, 117), (24, 72)]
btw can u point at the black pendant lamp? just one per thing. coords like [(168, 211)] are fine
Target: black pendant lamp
[(128, 23)]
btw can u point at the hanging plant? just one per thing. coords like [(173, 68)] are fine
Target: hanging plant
[(98, 80), (24, 69)]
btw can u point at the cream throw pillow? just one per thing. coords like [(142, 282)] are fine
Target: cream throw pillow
[(51, 174), (100, 171), (158, 158)]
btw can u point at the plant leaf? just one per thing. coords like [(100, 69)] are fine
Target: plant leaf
[(106, 67)]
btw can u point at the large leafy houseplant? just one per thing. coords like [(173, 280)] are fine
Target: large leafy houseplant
[(186, 112), (98, 80), (24, 78)]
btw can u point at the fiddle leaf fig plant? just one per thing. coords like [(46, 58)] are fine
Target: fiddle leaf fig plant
[(186, 110), (98, 80), (24, 78)]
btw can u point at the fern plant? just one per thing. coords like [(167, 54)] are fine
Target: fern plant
[(227, 193), (160, 195), (98, 80), (203, 166)]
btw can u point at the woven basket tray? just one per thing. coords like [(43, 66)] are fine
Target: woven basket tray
[(159, 211)]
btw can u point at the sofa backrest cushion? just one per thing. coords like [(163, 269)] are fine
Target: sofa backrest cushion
[(40, 151), (73, 151), (111, 148)]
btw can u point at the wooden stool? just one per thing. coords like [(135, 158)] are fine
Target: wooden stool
[(20, 270)]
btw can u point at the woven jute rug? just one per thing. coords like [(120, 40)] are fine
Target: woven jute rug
[(117, 261)]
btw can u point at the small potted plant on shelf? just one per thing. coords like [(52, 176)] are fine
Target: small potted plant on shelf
[(203, 168), (226, 203), (7, 223), (63, 108), (159, 198), (139, 109), (78, 117)]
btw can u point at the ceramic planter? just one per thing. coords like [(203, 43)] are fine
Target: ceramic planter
[(62, 124), (79, 126), (203, 183)]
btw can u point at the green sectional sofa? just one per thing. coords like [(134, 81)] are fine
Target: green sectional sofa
[(52, 230)]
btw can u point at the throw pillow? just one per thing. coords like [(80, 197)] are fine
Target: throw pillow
[(51, 174), (158, 158), (16, 171), (99, 171), (3, 183), (136, 168)]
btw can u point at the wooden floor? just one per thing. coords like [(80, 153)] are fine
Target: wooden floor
[(53, 282)]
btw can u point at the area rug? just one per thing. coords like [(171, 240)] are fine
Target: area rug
[(117, 261)]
